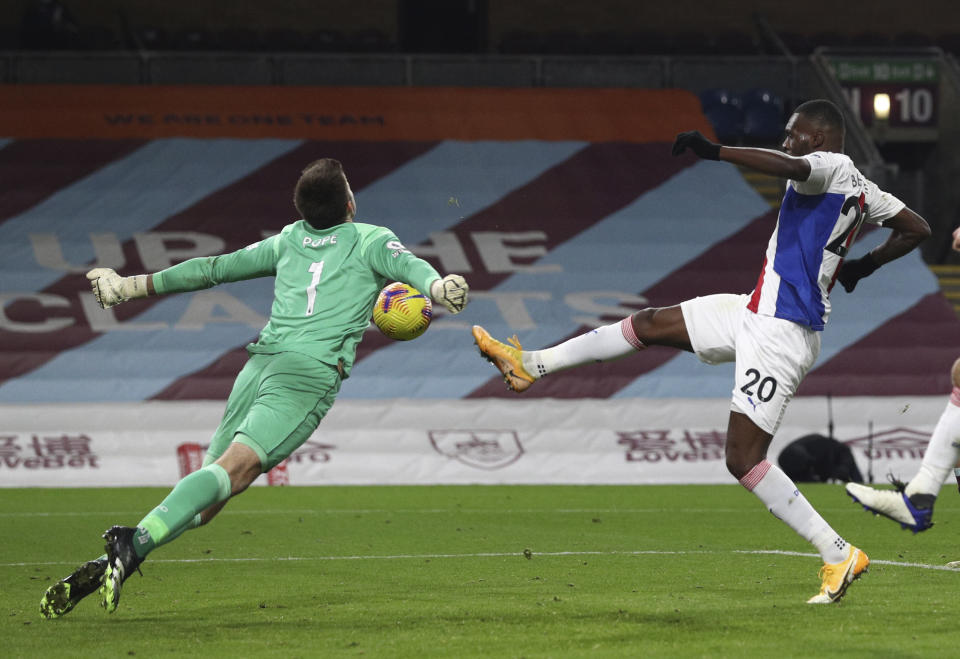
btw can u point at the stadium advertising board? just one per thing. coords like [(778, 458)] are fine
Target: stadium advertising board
[(433, 442)]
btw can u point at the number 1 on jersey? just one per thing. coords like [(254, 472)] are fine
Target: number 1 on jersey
[(317, 269)]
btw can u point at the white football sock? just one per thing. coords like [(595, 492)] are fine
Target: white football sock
[(942, 451), (782, 498), (599, 345)]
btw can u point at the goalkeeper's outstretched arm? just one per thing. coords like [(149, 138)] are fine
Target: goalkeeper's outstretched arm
[(111, 289), (452, 292), (196, 274)]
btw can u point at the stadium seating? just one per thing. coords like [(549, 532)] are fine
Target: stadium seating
[(950, 42), (193, 39), (725, 112), (326, 41), (608, 42), (521, 42), (733, 42), (754, 117), (571, 40), (240, 39), (911, 39), (562, 42), (284, 40), (796, 43), (371, 41), (618, 42), (96, 37), (762, 116), (690, 43), (830, 40), (650, 43), (871, 40), (151, 37)]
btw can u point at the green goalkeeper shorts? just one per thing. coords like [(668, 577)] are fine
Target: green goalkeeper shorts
[(276, 403)]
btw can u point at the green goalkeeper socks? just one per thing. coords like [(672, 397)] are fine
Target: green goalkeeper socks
[(181, 509), (145, 542)]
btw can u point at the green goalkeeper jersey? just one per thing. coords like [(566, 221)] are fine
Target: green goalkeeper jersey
[(325, 284)]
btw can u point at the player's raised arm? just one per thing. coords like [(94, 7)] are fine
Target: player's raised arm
[(765, 161)]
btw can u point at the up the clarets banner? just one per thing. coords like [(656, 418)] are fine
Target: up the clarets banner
[(563, 209)]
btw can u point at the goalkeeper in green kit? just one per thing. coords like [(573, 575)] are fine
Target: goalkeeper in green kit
[(328, 271)]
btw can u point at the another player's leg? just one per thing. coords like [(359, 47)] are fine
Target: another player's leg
[(911, 504), (521, 368), (914, 512), (62, 596)]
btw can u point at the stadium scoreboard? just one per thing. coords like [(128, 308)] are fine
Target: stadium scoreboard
[(896, 98)]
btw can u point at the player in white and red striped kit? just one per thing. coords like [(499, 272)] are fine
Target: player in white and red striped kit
[(773, 333)]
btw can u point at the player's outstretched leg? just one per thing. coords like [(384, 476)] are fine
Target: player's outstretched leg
[(62, 596), (913, 512), (837, 577), (122, 560), (508, 359)]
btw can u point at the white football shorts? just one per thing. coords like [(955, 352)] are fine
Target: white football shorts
[(772, 355)]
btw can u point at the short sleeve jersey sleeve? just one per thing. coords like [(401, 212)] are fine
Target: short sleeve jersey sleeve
[(836, 173)]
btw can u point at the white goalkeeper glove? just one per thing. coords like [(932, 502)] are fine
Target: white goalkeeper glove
[(111, 289), (451, 292)]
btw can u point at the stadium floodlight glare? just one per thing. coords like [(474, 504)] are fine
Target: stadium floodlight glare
[(881, 106)]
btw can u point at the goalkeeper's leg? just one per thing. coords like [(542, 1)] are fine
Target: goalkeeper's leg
[(181, 509), (159, 527), (127, 547), (151, 541)]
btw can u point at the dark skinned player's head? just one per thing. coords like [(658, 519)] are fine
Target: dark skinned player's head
[(323, 196), (814, 126)]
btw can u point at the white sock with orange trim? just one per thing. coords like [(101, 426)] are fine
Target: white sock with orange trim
[(942, 452), (599, 345), (782, 498)]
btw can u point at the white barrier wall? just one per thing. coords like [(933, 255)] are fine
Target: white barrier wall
[(404, 441)]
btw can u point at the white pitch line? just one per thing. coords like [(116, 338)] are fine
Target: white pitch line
[(873, 561), (417, 511), (510, 554)]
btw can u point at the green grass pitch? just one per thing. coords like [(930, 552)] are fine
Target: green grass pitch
[(481, 571)]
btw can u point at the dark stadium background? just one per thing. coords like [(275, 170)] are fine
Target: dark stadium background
[(497, 43), (745, 64)]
